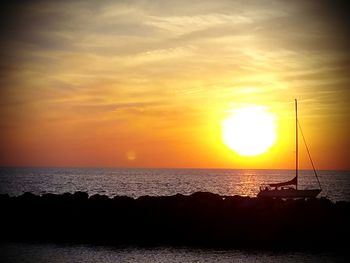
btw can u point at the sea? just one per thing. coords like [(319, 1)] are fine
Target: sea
[(161, 182), (164, 182)]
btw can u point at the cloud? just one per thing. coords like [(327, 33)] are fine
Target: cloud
[(112, 107), (167, 63)]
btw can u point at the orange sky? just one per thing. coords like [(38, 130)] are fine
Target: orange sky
[(148, 83)]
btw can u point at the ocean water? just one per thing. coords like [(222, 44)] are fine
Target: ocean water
[(42, 253), (155, 182)]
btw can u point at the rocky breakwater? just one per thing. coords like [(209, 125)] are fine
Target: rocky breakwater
[(200, 219)]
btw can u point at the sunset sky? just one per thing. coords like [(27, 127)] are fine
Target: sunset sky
[(149, 83)]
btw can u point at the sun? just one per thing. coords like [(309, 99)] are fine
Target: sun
[(249, 131)]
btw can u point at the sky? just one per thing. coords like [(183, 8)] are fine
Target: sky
[(149, 83)]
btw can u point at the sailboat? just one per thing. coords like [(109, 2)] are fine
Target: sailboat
[(290, 189)]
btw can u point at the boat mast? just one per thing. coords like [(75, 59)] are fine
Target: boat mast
[(296, 142)]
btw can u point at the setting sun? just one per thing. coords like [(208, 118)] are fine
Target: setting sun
[(185, 84), (249, 131)]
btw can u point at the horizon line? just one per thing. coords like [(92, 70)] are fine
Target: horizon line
[(163, 168)]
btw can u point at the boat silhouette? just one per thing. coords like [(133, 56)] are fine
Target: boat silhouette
[(290, 189)]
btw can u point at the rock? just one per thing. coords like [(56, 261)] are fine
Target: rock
[(201, 218)]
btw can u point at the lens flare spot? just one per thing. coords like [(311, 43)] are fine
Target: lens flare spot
[(131, 155)]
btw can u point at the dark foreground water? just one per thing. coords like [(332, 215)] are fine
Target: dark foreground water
[(156, 182), (22, 252)]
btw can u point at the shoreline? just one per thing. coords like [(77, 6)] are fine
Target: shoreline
[(201, 219)]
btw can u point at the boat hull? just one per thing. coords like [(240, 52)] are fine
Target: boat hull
[(289, 193)]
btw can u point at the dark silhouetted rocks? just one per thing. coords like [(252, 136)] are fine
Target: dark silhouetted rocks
[(200, 219)]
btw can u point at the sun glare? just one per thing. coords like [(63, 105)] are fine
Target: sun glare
[(249, 131)]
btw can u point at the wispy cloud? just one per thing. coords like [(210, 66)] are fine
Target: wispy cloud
[(165, 63)]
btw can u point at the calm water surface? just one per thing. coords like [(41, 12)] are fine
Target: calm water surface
[(138, 182), (17, 252)]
